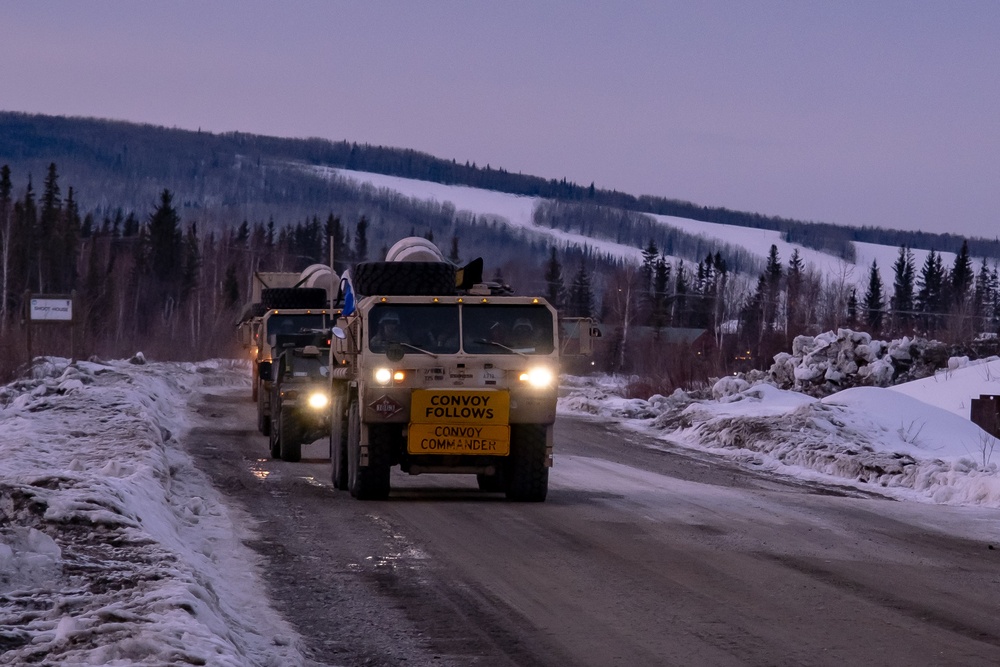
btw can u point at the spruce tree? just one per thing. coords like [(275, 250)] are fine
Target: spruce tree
[(981, 297), (794, 294), (901, 302), (165, 240), (681, 316), (581, 298), (772, 274), (230, 287), (649, 256), (6, 225), (661, 298), (930, 292), (49, 247), (361, 240), (752, 315), (554, 286), (852, 308), (67, 240), (24, 262), (874, 300), (242, 234), (961, 275)]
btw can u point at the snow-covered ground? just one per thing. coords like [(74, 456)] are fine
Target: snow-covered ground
[(914, 441), (116, 550)]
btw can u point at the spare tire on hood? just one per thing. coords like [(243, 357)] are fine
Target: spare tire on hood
[(402, 278)]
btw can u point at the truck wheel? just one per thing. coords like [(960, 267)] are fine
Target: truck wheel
[(263, 421), (275, 442), (293, 297), (290, 446), (491, 483), (338, 446), (371, 482), (527, 476), (397, 278)]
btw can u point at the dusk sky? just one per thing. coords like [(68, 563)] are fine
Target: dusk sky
[(867, 112)]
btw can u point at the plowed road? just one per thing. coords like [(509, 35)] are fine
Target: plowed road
[(638, 557)]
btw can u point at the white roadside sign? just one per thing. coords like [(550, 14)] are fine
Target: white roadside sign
[(52, 309)]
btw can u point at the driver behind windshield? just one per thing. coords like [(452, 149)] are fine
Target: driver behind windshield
[(388, 330)]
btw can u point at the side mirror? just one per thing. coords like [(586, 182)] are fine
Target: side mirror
[(338, 333), (264, 370)]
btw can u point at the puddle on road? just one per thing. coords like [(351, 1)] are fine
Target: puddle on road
[(258, 470), (405, 556), (309, 479)]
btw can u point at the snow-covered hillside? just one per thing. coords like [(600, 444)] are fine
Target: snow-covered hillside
[(517, 211)]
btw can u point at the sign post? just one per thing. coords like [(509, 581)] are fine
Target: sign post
[(50, 309)]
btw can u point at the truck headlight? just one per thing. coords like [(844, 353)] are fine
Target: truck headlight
[(318, 400), (387, 375), (539, 377)]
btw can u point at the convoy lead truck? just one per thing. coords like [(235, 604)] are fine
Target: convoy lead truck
[(437, 372)]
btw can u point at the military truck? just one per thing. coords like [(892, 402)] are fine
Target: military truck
[(300, 393), (435, 371), (282, 303), (272, 325)]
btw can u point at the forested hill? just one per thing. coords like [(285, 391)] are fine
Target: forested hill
[(129, 163)]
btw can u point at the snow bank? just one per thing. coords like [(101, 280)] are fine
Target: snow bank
[(866, 436), (114, 549)]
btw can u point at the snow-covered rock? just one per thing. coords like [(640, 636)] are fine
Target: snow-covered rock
[(832, 361)]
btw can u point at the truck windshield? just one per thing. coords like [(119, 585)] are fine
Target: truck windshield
[(429, 327), (486, 328), (507, 329), (290, 323), (312, 367)]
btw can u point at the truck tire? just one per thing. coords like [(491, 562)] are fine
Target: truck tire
[(289, 438), (401, 278), (371, 482), (293, 297), (338, 445), (263, 420), (527, 476), (275, 443)]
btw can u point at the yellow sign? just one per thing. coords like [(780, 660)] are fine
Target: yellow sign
[(485, 439), (459, 406)]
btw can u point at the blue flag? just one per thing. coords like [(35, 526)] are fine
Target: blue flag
[(348, 298)]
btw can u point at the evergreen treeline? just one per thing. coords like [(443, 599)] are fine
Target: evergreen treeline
[(158, 282), (251, 176)]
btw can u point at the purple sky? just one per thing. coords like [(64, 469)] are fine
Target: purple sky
[(865, 112)]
